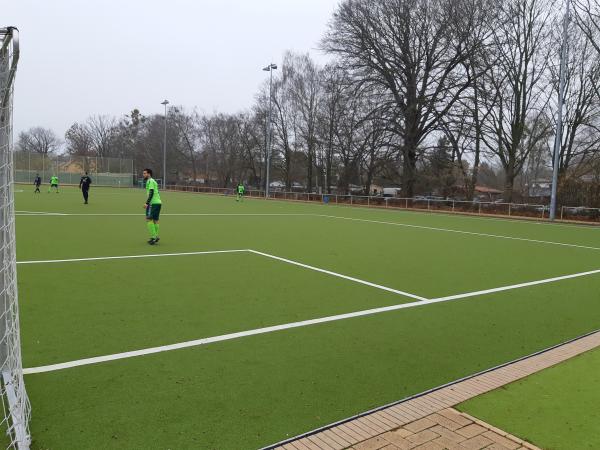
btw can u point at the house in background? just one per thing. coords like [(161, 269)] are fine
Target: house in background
[(540, 189)]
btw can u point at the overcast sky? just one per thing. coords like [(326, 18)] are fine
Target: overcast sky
[(84, 57)]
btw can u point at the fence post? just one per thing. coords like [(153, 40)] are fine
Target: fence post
[(428, 205), (509, 209), (479, 208), (368, 201), (562, 209), (351, 199), (406, 203)]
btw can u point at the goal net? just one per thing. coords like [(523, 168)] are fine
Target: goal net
[(16, 407)]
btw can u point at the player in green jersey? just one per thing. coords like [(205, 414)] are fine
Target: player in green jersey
[(152, 206), (53, 183), (241, 190)]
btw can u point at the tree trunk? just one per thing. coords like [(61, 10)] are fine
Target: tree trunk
[(509, 183), (309, 170), (409, 166)]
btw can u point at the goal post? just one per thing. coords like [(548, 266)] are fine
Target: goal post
[(16, 408)]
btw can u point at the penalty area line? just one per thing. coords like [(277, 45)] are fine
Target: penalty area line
[(339, 275), (105, 258), (286, 326)]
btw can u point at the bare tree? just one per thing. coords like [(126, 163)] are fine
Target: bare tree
[(38, 140), (187, 127), (582, 113), (413, 50), (305, 91), (587, 17), (102, 130), (336, 83), (285, 119), (97, 136), (514, 90)]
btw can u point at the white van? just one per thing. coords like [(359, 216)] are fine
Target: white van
[(391, 192)]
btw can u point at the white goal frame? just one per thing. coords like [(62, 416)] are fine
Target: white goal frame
[(16, 407)]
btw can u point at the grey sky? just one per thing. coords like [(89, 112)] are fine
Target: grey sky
[(84, 57)]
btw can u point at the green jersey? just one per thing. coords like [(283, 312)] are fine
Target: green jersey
[(53, 180), (154, 196), (241, 189)]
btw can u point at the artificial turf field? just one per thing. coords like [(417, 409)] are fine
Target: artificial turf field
[(555, 409), (250, 390)]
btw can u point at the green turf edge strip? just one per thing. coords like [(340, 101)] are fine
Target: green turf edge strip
[(421, 394)]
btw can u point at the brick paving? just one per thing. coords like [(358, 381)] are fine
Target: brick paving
[(429, 421)]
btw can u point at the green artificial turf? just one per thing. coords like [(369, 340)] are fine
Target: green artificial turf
[(253, 391), (554, 409)]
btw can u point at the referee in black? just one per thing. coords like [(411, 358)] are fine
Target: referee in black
[(84, 185)]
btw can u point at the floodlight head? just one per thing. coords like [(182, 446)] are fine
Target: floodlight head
[(267, 69), (166, 102), (274, 66)]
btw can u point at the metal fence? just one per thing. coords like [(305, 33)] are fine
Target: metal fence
[(524, 210), (115, 172)]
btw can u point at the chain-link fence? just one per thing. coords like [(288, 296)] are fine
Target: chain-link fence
[(522, 210), (114, 172)]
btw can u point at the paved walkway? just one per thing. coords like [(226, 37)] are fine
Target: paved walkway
[(428, 422)]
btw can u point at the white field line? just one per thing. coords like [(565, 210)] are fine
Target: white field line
[(104, 258), (287, 326), (458, 215), (288, 261), (469, 233), (39, 213), (381, 222), (339, 275), (518, 286)]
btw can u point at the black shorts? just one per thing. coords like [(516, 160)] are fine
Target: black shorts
[(54, 185), (153, 212)]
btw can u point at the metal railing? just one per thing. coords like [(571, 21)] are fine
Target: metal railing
[(518, 210)]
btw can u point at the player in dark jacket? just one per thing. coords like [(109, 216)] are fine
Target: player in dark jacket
[(84, 185), (37, 183)]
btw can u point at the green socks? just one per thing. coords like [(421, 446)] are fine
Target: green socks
[(151, 229)]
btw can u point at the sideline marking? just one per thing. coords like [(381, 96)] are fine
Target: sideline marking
[(287, 326), (42, 213), (381, 222), (449, 230)]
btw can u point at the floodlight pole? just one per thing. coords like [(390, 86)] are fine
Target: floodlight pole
[(166, 102), (270, 68), (559, 119)]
